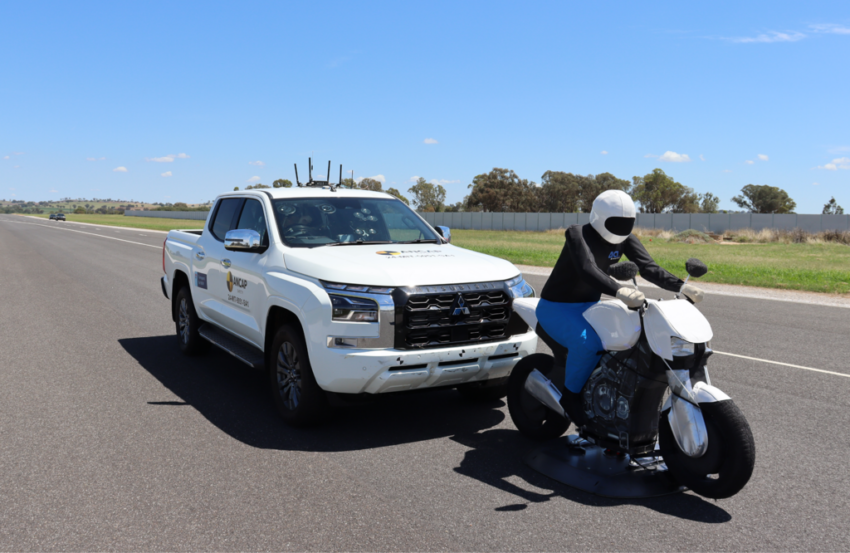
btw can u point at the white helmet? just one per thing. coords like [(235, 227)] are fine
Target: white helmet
[(613, 215)]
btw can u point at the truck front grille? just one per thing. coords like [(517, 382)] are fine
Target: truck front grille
[(440, 320)]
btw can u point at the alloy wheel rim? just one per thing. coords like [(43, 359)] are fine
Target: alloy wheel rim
[(183, 321), (288, 376)]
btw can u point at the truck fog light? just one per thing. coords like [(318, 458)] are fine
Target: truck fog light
[(351, 309), (336, 342), (680, 347)]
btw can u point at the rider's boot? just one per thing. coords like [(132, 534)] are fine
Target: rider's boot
[(574, 406)]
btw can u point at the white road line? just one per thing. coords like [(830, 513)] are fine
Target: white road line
[(783, 364), (91, 233)]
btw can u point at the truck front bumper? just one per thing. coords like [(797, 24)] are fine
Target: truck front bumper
[(379, 371)]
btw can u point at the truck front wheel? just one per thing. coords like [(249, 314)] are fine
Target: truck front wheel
[(298, 398)]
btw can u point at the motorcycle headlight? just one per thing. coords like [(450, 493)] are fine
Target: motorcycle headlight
[(355, 310), (681, 348)]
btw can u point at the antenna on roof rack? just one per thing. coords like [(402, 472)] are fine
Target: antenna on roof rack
[(340, 175), (310, 169), (298, 182)]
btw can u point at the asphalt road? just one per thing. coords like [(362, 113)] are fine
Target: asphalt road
[(110, 439)]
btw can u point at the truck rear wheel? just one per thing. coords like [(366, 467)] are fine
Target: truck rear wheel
[(298, 398), (187, 324)]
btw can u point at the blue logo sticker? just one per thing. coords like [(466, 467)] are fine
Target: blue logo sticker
[(201, 280), (614, 255)]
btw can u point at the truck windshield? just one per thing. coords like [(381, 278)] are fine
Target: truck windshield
[(311, 222)]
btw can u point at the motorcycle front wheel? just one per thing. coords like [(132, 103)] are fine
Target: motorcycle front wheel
[(531, 417), (726, 467)]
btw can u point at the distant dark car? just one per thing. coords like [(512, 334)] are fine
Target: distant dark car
[(58, 216)]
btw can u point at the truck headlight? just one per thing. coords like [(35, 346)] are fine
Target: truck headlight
[(356, 310), (520, 288), (680, 347)]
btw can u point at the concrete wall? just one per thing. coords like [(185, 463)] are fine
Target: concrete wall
[(195, 215), (714, 222)]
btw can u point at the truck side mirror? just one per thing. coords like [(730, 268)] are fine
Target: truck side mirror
[(445, 232), (242, 240)]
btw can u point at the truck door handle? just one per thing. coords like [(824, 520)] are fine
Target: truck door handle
[(226, 263), (199, 255)]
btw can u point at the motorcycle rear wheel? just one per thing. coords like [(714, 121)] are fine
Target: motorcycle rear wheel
[(726, 466), (531, 417)]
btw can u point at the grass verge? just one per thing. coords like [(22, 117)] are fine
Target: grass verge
[(149, 223), (823, 267)]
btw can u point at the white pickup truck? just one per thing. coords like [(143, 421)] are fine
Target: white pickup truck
[(338, 291)]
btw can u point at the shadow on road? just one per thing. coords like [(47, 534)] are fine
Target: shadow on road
[(237, 400), (496, 459)]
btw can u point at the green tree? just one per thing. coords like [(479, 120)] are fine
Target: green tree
[(256, 186), (370, 184), (236, 189), (503, 190), (709, 203), (80, 210), (282, 183), (349, 183), (762, 198), (658, 193), (428, 196), (832, 208), (559, 192), (397, 194)]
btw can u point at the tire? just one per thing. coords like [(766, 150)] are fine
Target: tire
[(298, 398), (531, 417), (726, 466), (485, 391), (187, 325)]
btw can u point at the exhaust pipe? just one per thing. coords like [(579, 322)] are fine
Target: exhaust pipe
[(542, 389)]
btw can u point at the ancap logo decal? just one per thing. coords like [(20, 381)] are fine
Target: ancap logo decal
[(235, 281), (614, 255), (384, 252)]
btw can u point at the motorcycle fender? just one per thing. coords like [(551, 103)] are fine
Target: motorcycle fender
[(706, 393), (527, 309)]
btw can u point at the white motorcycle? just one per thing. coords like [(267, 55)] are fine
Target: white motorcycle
[(650, 398)]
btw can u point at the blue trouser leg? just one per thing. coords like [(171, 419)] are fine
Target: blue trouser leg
[(565, 324)]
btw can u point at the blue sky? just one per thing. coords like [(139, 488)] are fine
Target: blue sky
[(720, 94)]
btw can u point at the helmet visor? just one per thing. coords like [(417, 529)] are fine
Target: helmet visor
[(621, 226)]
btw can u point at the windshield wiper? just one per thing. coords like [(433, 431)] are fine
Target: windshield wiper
[(358, 243), (420, 241)]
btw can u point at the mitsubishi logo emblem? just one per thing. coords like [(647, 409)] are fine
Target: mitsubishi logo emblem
[(460, 308)]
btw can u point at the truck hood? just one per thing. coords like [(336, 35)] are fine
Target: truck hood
[(398, 265)]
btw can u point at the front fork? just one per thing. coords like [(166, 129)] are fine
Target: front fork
[(685, 415)]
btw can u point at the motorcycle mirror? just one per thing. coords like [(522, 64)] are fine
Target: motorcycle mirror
[(623, 271), (695, 267)]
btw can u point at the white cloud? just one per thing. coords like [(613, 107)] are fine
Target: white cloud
[(770, 36), (839, 149), (674, 157), (12, 188), (702, 157), (379, 178), (167, 158), (16, 166), (17, 153), (253, 179), (430, 141), (95, 158), (749, 162), (815, 184), (414, 178), (53, 192), (120, 170), (830, 28), (727, 170), (257, 163), (6, 157), (835, 164), (763, 157), (444, 181), (166, 174), (650, 155), (604, 152)]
